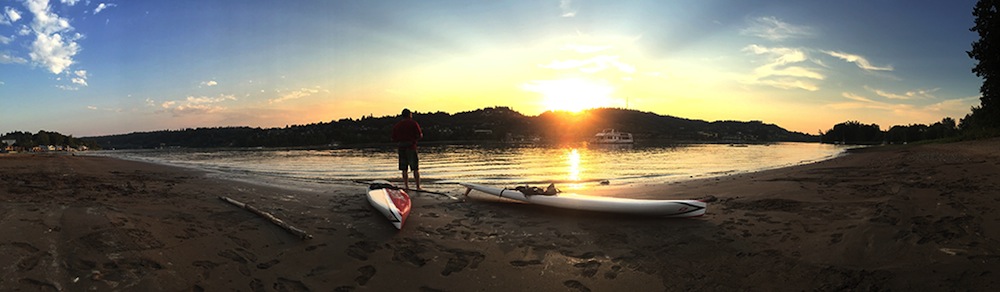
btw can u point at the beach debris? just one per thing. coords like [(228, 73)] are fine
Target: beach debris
[(297, 232), (952, 251), (605, 182)]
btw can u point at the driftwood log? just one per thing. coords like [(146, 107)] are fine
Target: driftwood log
[(297, 232)]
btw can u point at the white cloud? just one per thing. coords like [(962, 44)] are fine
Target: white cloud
[(69, 2), (95, 108), (6, 58), (102, 6), (53, 52), (913, 94), (205, 99), (861, 102), (195, 105), (80, 77), (51, 48), (5, 40), (294, 95), (772, 28), (209, 83), (781, 70), (567, 8), (12, 14), (856, 97), (9, 16), (862, 62), (789, 83)]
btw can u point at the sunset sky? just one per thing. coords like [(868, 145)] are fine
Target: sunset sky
[(88, 68)]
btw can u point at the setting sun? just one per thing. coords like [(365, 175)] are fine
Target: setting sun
[(572, 95)]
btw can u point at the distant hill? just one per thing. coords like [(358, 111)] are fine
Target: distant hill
[(497, 124)]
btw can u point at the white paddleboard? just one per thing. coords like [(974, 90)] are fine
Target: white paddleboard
[(664, 208)]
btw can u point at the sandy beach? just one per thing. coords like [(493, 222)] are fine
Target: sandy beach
[(903, 218)]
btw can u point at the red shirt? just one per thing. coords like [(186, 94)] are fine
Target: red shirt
[(407, 132)]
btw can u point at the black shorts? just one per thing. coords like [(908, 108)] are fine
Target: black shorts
[(408, 158)]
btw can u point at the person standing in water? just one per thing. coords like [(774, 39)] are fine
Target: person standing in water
[(406, 133)]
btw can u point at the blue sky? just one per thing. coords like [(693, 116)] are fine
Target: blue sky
[(108, 67)]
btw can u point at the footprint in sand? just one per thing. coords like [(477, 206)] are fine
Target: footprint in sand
[(205, 266), (589, 268), (585, 256), (835, 238), (257, 285), (267, 265), (29, 255), (361, 249), (314, 247), (461, 260), (318, 271), (573, 284), (284, 284), (241, 256), (39, 285), (525, 263), (367, 272), (613, 273), (239, 241), (410, 256)]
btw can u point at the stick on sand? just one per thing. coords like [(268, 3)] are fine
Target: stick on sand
[(298, 232)]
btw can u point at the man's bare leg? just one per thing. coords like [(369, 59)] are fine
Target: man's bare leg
[(406, 179), (416, 176)]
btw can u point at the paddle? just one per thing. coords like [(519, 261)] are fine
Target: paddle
[(412, 190), (429, 192)]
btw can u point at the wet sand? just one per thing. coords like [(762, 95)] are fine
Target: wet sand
[(899, 218)]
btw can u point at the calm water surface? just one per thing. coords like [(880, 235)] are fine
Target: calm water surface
[(570, 167)]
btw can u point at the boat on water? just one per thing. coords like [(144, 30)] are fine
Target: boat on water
[(661, 208), (611, 136)]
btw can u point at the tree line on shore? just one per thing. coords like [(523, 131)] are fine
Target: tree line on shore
[(27, 141), (857, 133), (496, 124)]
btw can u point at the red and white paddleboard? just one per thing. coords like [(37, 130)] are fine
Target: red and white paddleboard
[(389, 200)]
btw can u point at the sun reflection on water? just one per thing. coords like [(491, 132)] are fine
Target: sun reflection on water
[(573, 161)]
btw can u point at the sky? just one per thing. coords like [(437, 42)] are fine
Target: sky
[(87, 68)]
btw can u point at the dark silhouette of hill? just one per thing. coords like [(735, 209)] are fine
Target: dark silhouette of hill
[(496, 124)]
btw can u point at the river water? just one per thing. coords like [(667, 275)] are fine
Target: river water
[(568, 166)]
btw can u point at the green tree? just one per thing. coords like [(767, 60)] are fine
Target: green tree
[(854, 132), (986, 51), (43, 138)]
